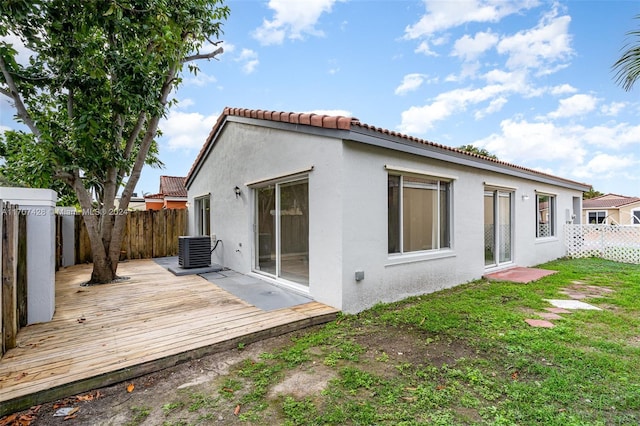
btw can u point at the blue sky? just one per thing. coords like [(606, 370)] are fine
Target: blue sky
[(530, 81)]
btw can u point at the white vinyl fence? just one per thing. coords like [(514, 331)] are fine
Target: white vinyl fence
[(620, 243)]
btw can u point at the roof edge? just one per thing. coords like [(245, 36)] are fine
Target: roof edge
[(354, 125)]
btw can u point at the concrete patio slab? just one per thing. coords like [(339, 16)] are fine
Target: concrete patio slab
[(572, 304), (519, 275), (256, 292), (172, 264)]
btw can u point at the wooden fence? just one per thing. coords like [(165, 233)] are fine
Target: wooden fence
[(148, 234), (13, 291)]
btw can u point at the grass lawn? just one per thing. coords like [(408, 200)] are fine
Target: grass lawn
[(459, 356)]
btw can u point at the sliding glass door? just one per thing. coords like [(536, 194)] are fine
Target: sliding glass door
[(282, 240), (498, 227)]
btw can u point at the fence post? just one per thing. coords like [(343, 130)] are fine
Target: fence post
[(2, 214), (9, 277), (22, 272)]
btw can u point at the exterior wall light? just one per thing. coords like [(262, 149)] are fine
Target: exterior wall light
[(525, 197), (237, 191)]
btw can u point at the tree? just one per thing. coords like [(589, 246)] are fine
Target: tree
[(93, 93), (475, 150), (627, 68), (591, 193)]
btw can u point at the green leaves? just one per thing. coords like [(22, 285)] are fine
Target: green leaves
[(94, 91), (627, 68), (99, 66)]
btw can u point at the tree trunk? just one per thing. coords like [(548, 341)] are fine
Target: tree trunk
[(103, 271)]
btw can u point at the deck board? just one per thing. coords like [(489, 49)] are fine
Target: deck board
[(105, 334)]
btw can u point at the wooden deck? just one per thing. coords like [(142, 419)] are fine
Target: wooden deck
[(105, 334)]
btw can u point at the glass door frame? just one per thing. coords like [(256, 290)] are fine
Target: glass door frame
[(277, 233), (498, 244)]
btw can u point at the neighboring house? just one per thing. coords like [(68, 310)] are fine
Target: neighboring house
[(612, 209), (353, 214), (172, 194), (135, 203)]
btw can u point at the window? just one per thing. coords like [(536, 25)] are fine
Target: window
[(596, 217), (418, 214), (546, 215), (635, 217), (202, 215)]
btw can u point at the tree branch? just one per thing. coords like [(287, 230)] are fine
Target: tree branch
[(15, 95), (145, 145), (210, 55), (5, 92)]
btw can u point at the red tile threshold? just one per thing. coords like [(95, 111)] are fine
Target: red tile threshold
[(519, 275)]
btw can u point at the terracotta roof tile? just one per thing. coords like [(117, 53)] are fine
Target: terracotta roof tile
[(340, 123), (154, 196), (173, 186), (609, 201)]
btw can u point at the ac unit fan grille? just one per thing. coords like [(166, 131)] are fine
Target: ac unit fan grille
[(194, 252)]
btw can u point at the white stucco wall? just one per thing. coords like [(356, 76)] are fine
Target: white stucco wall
[(245, 154), (348, 214), (391, 278), (39, 206)]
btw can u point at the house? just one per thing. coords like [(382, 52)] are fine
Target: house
[(352, 215), (612, 209), (172, 194), (135, 202)]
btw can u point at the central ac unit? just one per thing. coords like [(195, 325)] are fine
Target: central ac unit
[(194, 252)]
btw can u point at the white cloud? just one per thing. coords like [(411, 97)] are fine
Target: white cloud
[(544, 47), (332, 112), (200, 79), (524, 142), (186, 131), (250, 61), (184, 103), (563, 89), (443, 15), (423, 47), (227, 47), (293, 19), (419, 119), (575, 105), (494, 106), (470, 48), (612, 137), (606, 166), (613, 108), (566, 149), (410, 82)]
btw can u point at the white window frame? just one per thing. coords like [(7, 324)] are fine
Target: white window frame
[(552, 215), (448, 180), (202, 218), (277, 183)]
